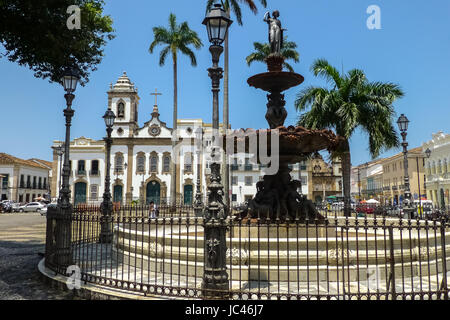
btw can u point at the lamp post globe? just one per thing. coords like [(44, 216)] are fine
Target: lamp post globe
[(217, 23), (428, 153), (70, 78), (402, 123), (109, 118)]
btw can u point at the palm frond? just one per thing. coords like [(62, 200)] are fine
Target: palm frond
[(322, 67)]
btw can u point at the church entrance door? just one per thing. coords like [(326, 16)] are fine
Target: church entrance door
[(188, 191), (117, 195), (80, 193), (153, 192)]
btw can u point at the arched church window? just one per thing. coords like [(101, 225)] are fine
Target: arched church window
[(188, 162), (121, 110), (166, 164), (141, 163), (153, 164), (119, 163)]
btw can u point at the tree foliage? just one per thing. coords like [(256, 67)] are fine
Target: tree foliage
[(351, 102), (175, 38), (35, 34), (262, 51), (233, 5)]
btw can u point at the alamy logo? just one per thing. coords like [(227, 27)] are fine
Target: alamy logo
[(74, 20), (374, 20), (74, 279)]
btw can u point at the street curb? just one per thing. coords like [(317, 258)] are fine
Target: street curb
[(91, 291)]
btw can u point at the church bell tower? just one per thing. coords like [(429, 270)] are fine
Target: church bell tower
[(123, 100)]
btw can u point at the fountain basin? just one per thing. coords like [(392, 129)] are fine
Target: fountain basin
[(275, 81)]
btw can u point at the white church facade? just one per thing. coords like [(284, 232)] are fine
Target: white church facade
[(141, 159)]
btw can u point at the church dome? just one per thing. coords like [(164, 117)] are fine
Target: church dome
[(124, 84)]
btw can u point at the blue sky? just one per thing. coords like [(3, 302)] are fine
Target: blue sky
[(412, 49)]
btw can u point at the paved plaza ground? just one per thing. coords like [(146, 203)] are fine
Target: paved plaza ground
[(22, 239)]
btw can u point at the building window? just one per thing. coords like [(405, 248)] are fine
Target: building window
[(94, 192), (234, 197), (118, 163), (81, 167), (94, 167), (188, 162), (248, 166), (234, 181), (304, 180), (248, 181), (5, 181), (40, 183), (45, 183), (28, 182), (120, 110), (22, 181), (140, 163), (166, 164), (34, 184), (153, 164)]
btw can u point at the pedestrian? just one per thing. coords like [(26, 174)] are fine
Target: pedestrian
[(153, 210)]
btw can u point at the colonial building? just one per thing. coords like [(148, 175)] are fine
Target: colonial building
[(141, 158), (438, 168), (325, 179), (23, 180), (383, 179)]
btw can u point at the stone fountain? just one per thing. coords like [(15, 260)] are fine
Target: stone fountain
[(277, 195)]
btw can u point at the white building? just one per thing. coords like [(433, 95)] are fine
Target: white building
[(437, 168), (141, 158), (23, 180)]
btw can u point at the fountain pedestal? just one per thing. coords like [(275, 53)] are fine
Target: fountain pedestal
[(277, 196)]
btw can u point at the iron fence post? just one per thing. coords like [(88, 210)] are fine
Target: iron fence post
[(444, 287)]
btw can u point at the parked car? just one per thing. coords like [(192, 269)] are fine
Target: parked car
[(15, 207), (366, 209), (32, 207)]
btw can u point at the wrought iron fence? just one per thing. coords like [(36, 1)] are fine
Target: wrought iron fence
[(372, 257)]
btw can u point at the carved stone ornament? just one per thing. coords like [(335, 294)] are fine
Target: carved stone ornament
[(154, 130), (238, 256)]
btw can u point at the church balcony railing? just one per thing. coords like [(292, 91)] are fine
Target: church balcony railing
[(81, 172), (234, 167), (94, 173), (248, 167)]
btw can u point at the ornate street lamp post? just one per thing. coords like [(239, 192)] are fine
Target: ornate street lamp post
[(69, 81), (215, 277), (198, 203), (403, 127), (59, 152), (106, 206)]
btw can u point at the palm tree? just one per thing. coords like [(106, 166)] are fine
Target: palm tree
[(175, 38), (228, 6), (351, 102), (262, 51)]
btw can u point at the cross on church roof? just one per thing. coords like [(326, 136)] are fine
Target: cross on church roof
[(156, 94)]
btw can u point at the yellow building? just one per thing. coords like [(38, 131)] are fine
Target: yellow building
[(393, 176)]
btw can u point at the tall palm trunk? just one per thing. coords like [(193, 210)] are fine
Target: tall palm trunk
[(346, 171), (173, 173), (225, 168)]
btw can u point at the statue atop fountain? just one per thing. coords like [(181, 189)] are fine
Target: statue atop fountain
[(277, 194), (275, 32)]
